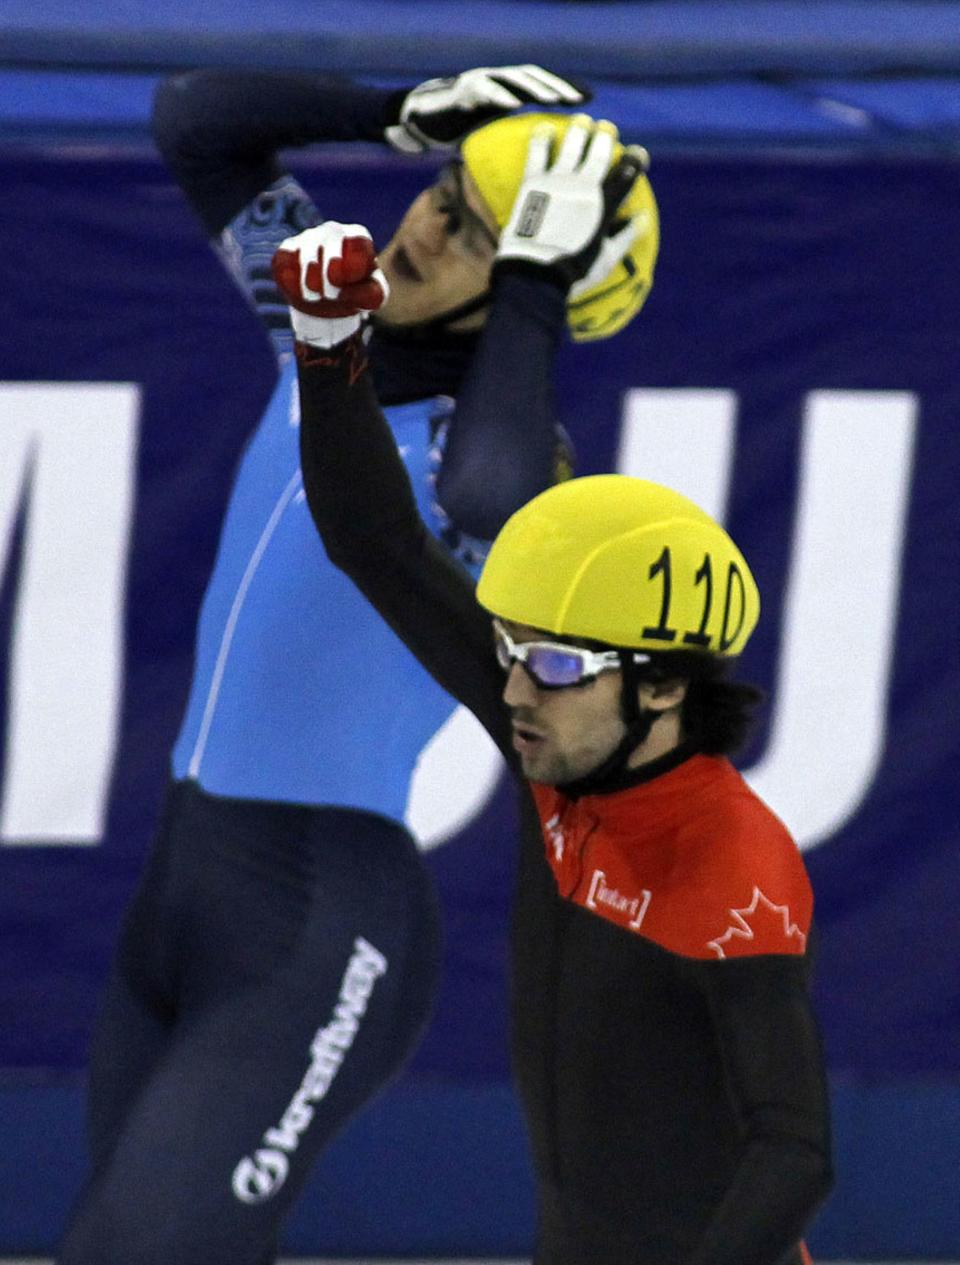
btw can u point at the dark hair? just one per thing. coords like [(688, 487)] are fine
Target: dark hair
[(717, 714)]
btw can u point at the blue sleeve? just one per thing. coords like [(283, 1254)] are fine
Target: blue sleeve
[(505, 443), (219, 130)]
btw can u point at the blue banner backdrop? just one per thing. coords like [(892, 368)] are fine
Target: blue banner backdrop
[(795, 370)]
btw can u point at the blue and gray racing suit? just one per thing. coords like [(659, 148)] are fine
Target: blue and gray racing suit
[(280, 956)]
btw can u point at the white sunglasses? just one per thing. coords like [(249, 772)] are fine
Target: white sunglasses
[(553, 665)]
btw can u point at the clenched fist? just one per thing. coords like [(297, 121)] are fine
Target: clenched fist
[(330, 278)]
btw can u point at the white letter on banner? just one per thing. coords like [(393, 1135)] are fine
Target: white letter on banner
[(839, 619), (67, 455), (455, 776), (841, 600), (683, 439)]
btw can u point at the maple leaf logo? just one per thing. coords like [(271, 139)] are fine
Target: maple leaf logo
[(764, 924)]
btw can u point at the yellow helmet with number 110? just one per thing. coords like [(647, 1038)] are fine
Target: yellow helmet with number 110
[(623, 561), (495, 156)]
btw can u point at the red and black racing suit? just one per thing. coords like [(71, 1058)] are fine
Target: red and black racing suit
[(664, 1046)]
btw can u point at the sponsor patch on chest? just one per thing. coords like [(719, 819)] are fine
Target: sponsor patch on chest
[(628, 907)]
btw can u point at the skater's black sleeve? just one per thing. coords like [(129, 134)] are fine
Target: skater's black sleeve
[(770, 1049), (506, 443), (220, 130), (362, 503)]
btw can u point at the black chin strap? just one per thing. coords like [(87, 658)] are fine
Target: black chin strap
[(455, 314), (638, 724), (426, 330)]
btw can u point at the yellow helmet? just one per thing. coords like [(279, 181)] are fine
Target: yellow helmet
[(495, 156), (622, 561)]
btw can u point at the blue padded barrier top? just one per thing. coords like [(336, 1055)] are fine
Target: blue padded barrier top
[(56, 107), (626, 40)]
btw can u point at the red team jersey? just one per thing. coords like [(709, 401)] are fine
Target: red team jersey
[(691, 860)]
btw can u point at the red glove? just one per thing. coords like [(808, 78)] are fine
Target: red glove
[(330, 278)]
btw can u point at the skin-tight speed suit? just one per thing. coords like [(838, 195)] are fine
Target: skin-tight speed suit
[(279, 960), (663, 1041)]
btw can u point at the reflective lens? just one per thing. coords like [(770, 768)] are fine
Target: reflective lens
[(552, 666)]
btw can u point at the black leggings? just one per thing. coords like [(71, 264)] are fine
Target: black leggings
[(276, 968)]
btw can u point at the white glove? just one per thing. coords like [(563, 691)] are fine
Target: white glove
[(616, 241), (439, 113), (563, 213), (330, 278)]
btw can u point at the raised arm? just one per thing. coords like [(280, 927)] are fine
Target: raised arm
[(506, 443), (220, 132), (357, 487), (563, 231)]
